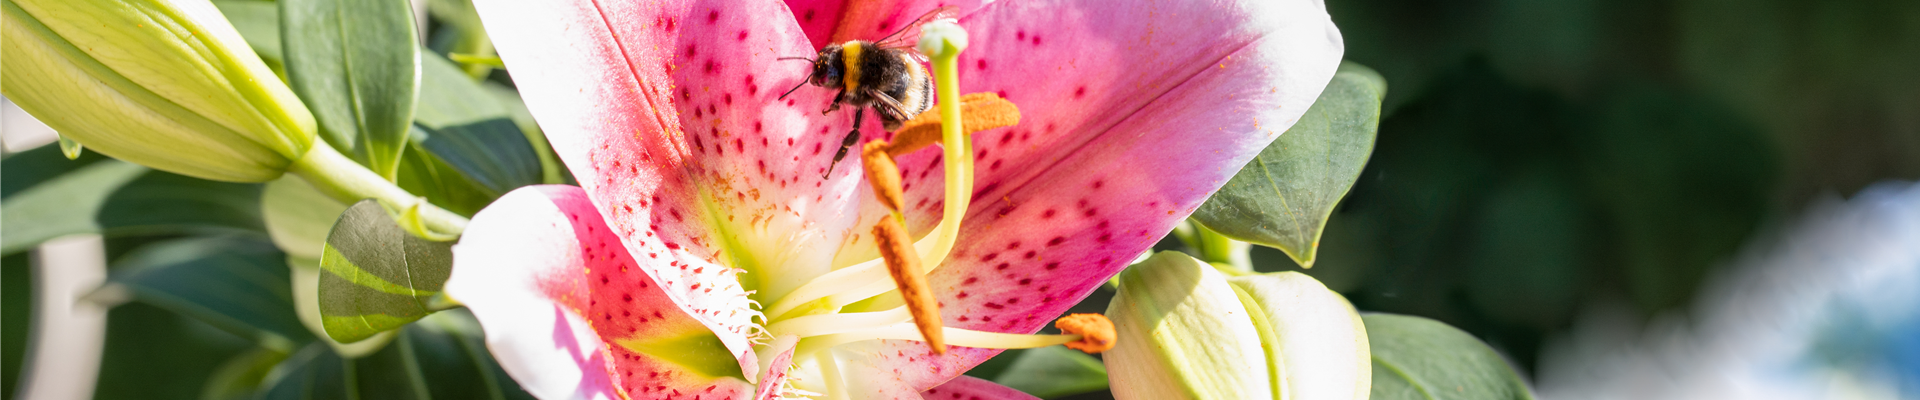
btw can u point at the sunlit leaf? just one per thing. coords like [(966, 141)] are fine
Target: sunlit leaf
[(1421, 359), (375, 276), (356, 64), (1284, 196)]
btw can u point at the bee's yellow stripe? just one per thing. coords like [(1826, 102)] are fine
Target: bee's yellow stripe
[(850, 58)]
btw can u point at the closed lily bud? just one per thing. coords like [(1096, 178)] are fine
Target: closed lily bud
[(1189, 332), (168, 84)]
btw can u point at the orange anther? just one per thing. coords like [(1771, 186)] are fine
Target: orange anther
[(883, 175), (1096, 332), (897, 249), (978, 112)]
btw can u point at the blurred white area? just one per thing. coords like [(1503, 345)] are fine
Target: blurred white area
[(1829, 308), (19, 131), (63, 352), (63, 349)]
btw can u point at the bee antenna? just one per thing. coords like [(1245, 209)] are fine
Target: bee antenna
[(803, 82), (796, 58)]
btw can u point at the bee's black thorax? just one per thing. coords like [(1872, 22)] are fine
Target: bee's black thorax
[(894, 72)]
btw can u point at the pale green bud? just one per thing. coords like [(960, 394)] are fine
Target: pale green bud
[(164, 83), (1188, 332)]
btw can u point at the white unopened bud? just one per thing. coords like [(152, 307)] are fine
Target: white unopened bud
[(1188, 332)]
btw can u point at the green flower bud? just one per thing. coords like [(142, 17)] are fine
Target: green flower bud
[(164, 83), (1188, 332)]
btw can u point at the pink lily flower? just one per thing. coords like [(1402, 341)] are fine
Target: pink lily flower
[(704, 256)]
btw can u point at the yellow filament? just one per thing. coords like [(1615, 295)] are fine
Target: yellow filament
[(827, 324), (955, 336)]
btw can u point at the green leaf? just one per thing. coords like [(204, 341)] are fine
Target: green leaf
[(468, 129), (1284, 196), (239, 283), (26, 169), (442, 357), (240, 377), (376, 276), (356, 63), (117, 198), (552, 171), (443, 185), (1053, 372), (1419, 358)]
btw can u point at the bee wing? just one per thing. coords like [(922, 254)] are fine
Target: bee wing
[(890, 106), (909, 36)]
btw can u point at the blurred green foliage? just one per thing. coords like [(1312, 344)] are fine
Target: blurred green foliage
[(1540, 156)]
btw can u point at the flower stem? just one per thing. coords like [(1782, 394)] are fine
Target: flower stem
[(336, 175), (1219, 249)]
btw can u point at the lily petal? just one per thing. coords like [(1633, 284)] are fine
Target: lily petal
[(967, 387), (668, 115), (835, 21), (545, 277), (1123, 134)]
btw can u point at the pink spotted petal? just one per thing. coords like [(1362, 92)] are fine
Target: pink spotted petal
[(668, 114), (834, 21), (1132, 116), (563, 305), (969, 388)]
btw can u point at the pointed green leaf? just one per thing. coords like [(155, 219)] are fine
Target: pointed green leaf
[(1283, 197), (114, 197), (1054, 372), (1421, 359), (356, 63), (375, 276), (468, 129), (239, 283)]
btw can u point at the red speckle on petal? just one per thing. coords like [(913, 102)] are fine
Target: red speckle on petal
[(807, 16), (1052, 265), (1056, 241), (1081, 92), (743, 36), (980, 64), (713, 16)]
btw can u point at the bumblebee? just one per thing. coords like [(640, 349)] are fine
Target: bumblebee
[(887, 75)]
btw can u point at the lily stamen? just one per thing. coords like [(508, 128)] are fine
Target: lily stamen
[(1078, 339), (979, 111)]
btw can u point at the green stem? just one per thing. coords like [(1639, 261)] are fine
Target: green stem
[(1219, 249), (336, 175)]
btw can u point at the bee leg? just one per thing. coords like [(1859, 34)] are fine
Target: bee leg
[(852, 138), (835, 105)]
